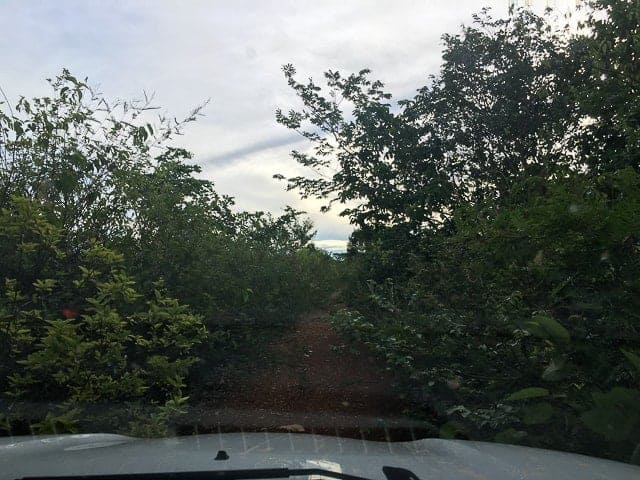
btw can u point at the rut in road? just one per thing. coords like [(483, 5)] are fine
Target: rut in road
[(312, 380)]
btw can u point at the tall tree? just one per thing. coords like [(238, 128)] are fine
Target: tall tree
[(499, 110)]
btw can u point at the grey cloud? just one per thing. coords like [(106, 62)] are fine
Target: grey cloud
[(245, 151)]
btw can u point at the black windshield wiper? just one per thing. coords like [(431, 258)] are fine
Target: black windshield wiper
[(392, 473)]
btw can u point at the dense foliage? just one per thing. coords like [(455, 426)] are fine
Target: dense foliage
[(123, 275), (495, 258), (495, 261)]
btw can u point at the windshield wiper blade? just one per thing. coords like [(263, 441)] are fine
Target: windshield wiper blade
[(392, 473)]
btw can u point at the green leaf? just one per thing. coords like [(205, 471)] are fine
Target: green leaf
[(550, 326), (555, 371), (633, 359), (45, 285), (537, 413), (535, 329), (525, 393), (66, 422)]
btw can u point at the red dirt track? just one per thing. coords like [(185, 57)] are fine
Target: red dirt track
[(310, 380)]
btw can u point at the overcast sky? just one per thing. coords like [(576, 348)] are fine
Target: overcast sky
[(231, 52)]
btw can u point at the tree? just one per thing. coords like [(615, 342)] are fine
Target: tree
[(75, 152), (499, 110), (496, 218), (609, 86)]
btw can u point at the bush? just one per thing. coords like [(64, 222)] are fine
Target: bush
[(523, 325), (79, 340)]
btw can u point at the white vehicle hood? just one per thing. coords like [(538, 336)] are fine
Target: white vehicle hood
[(103, 454)]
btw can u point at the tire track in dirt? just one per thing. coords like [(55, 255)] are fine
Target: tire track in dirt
[(311, 380)]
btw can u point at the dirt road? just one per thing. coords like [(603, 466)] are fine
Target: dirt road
[(310, 380)]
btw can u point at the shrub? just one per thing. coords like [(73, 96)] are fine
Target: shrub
[(81, 343), (523, 324)]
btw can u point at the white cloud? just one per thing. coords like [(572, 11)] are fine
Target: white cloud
[(332, 246)]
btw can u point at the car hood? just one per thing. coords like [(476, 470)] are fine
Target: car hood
[(96, 454)]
